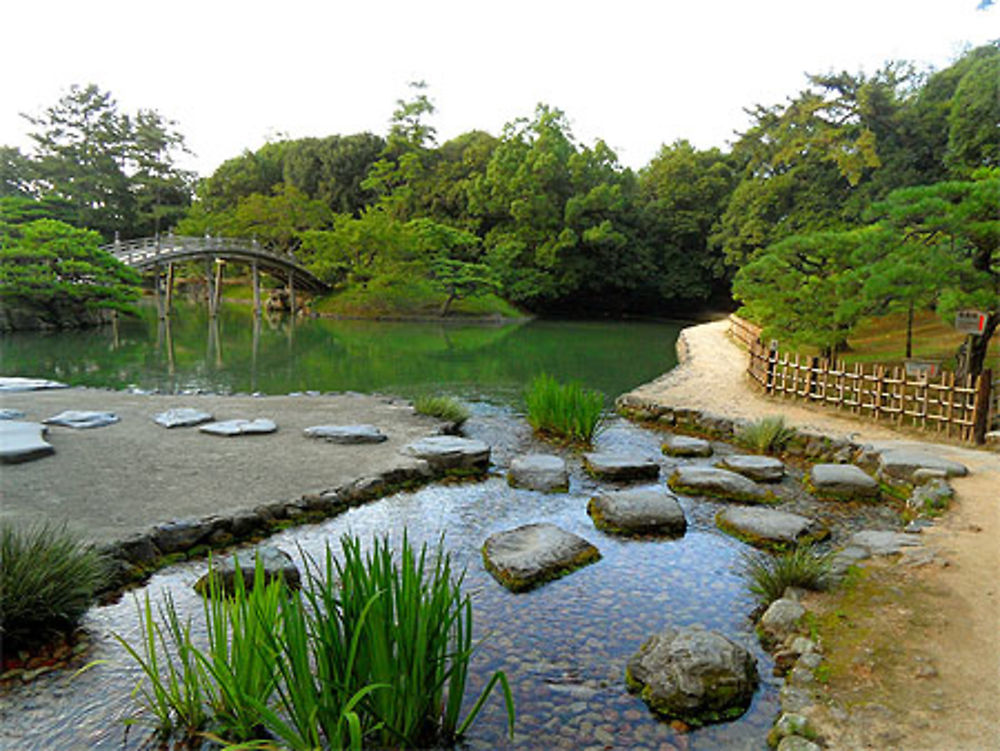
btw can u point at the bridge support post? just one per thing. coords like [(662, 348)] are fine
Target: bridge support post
[(256, 288), (209, 285), (158, 291), (291, 292), (170, 288), (219, 265)]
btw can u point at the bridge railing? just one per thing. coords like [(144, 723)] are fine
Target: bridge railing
[(143, 250)]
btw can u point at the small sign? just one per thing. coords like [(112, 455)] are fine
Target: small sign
[(923, 368), (970, 322)]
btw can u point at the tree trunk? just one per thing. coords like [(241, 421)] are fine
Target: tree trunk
[(909, 331), (447, 304), (972, 355)]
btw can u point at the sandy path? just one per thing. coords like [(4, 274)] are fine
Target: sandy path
[(961, 709)]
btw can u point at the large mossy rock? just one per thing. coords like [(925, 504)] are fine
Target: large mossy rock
[(620, 467), (22, 441), (544, 472), (753, 467), (638, 511), (769, 528), (901, 464), (274, 562), (718, 483), (693, 675), (530, 555), (453, 454), (842, 482), (686, 446)]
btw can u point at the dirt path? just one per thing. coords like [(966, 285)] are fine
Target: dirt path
[(924, 663)]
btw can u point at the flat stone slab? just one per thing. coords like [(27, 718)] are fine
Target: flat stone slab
[(638, 511), (879, 542), (545, 472), (901, 464), (620, 467), (757, 468), (22, 441), (82, 419), (16, 383), (182, 417), (259, 426), (11, 414), (525, 557), (718, 483), (346, 434), (451, 453), (275, 562), (769, 528), (843, 482), (694, 675), (682, 445)]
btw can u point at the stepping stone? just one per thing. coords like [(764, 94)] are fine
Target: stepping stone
[(182, 417), (901, 464), (240, 427), (276, 563), (448, 453), (769, 528), (525, 557), (22, 441), (620, 467), (757, 468), (842, 482), (693, 675), (12, 383), (718, 483), (638, 511), (682, 445), (82, 419), (11, 414), (878, 542), (544, 472), (347, 434)]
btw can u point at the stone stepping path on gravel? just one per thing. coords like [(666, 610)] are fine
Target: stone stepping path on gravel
[(228, 428), (620, 467), (638, 511), (841, 482), (902, 464), (769, 528), (16, 383), (23, 441), (544, 472), (685, 446), (756, 468), (451, 453), (11, 414), (346, 435), (528, 556), (182, 417), (82, 419), (718, 483)]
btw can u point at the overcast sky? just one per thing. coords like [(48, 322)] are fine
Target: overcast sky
[(635, 73)]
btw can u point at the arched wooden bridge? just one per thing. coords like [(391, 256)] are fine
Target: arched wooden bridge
[(162, 252)]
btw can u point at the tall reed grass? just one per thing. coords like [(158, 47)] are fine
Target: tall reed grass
[(566, 412), (373, 652), (768, 576), (766, 435)]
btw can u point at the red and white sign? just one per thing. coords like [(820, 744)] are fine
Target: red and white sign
[(970, 322)]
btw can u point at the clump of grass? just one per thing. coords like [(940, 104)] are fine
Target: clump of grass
[(374, 653), (48, 578), (768, 576), (566, 412), (766, 435), (442, 407)]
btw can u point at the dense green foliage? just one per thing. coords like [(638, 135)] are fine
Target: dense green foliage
[(48, 578), (766, 435), (443, 407), (565, 412), (374, 653), (47, 263)]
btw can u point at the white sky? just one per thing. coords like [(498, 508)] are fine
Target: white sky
[(635, 73)]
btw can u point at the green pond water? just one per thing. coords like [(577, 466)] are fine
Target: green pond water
[(236, 353)]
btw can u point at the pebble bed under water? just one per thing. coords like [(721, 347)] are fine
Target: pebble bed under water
[(563, 646)]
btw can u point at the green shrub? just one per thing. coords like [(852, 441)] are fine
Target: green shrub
[(565, 412), (766, 435), (48, 578), (443, 407), (373, 653), (769, 576)]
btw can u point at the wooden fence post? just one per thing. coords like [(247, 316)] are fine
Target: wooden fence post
[(981, 406), (813, 376), (772, 361)]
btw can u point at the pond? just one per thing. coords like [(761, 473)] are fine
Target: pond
[(237, 353)]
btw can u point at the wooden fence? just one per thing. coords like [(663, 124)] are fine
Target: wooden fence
[(958, 408)]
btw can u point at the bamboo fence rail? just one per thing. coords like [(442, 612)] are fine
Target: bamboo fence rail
[(959, 408)]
